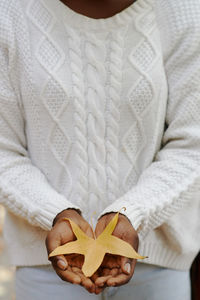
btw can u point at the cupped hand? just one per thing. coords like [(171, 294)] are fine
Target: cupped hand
[(116, 270), (68, 267)]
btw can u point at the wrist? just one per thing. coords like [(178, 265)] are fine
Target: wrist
[(65, 214), (112, 213)]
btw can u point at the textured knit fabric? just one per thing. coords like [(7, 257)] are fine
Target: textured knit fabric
[(148, 282), (97, 115)]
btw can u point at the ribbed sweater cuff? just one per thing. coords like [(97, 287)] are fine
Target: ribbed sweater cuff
[(37, 213), (134, 213), (47, 214)]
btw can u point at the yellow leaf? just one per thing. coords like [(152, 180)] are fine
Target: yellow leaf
[(94, 250)]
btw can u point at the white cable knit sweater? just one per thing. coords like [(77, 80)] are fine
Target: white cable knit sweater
[(98, 114)]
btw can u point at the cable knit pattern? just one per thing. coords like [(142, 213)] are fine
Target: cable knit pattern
[(97, 114), (95, 97), (80, 115), (115, 65)]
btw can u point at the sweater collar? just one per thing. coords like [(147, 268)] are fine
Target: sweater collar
[(83, 22)]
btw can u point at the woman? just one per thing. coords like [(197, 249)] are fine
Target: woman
[(100, 110)]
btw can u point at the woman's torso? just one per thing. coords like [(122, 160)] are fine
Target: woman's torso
[(101, 99), (94, 96)]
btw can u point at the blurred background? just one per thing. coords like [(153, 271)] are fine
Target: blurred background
[(7, 272)]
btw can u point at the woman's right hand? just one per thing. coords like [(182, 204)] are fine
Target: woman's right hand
[(68, 267)]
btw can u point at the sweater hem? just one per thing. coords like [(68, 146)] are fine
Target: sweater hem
[(164, 257)]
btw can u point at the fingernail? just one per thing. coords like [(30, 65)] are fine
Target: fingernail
[(127, 267), (61, 264)]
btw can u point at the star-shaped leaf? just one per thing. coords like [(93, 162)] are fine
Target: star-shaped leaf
[(94, 250)]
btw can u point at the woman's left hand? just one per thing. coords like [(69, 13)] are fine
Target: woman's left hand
[(116, 270)]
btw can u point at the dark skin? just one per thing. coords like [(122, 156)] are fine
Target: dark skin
[(97, 9), (112, 271)]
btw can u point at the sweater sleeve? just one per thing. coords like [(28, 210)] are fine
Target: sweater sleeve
[(172, 180), (24, 190)]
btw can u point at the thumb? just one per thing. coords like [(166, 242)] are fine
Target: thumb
[(126, 265), (60, 262)]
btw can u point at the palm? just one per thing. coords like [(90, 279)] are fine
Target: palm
[(111, 271), (75, 260), (60, 234), (111, 266)]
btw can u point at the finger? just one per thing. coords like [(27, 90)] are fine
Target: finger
[(100, 281), (105, 275), (53, 241), (94, 276), (127, 265), (68, 276), (76, 270), (98, 290), (107, 271), (115, 271), (118, 280), (87, 283), (59, 262)]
